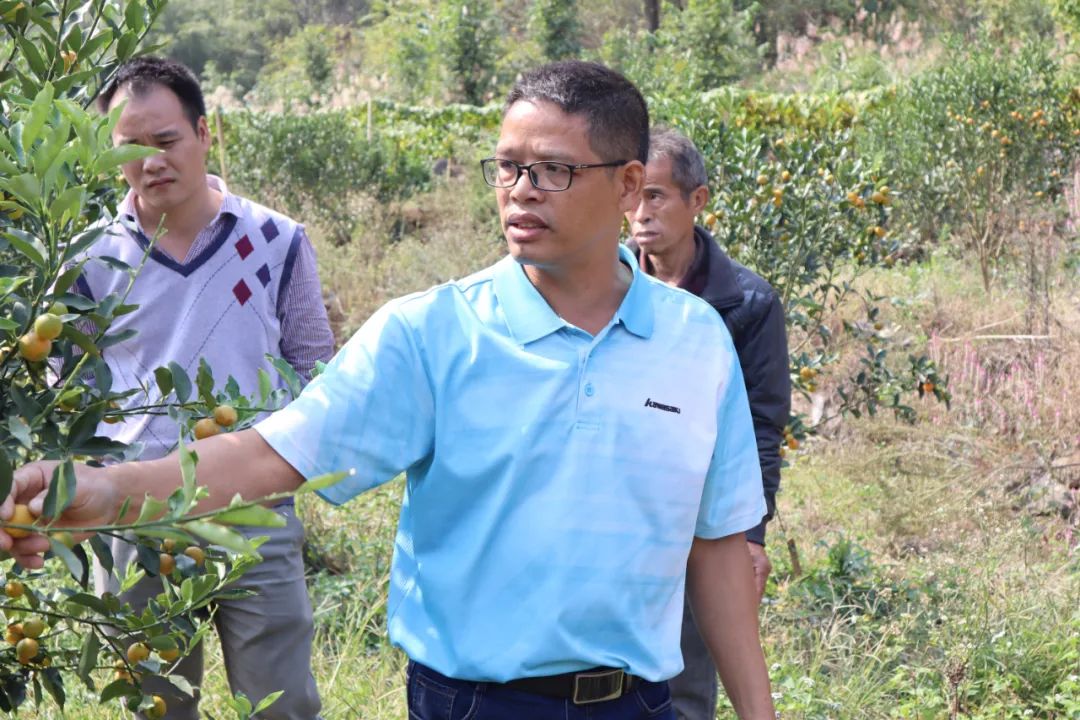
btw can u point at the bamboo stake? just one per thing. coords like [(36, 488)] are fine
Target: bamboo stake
[(221, 147)]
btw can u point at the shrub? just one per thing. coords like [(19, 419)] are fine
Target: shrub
[(800, 208), (314, 166), (966, 140)]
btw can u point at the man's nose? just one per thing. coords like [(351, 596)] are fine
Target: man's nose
[(154, 162), (524, 188)]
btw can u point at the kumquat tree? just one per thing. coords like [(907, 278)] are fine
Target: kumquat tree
[(58, 189)]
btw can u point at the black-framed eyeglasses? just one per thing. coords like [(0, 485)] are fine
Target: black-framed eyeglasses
[(546, 175)]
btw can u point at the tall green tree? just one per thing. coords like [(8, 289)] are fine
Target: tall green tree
[(235, 39), (706, 44), (469, 40), (558, 28)]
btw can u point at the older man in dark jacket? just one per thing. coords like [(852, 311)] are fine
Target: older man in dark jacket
[(671, 247)]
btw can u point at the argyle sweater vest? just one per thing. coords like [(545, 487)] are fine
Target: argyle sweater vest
[(222, 305)]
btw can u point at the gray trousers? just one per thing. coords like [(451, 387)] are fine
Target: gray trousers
[(265, 638), (694, 690)]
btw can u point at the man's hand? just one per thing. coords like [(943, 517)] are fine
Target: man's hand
[(762, 567), (93, 505)]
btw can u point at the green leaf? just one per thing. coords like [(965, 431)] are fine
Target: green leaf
[(267, 702), (188, 460), (18, 427), (149, 560), (324, 481), (16, 131), (161, 532), (28, 245), (164, 381), (133, 17), (99, 446), (103, 552), (88, 656), (76, 302), (35, 61), (124, 507), (255, 515), (84, 240), (288, 374), (7, 167), (150, 510), (26, 188), (95, 43), (204, 381), (118, 688), (6, 147), (116, 338), (181, 683), (239, 704), (85, 426), (84, 341), (69, 202), (61, 490), (9, 285), (265, 386), (161, 642), (221, 535), (76, 565), (114, 157), (67, 279), (187, 590), (181, 382), (126, 46), (40, 16), (54, 684)]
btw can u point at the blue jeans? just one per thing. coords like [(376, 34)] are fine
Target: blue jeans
[(433, 696)]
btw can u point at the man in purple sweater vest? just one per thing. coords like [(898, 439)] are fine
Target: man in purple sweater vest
[(231, 282)]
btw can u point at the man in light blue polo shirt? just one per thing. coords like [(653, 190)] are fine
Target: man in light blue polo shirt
[(575, 436)]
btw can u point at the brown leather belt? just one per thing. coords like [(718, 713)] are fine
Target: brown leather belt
[(583, 688)]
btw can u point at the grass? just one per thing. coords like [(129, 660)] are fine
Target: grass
[(918, 573)]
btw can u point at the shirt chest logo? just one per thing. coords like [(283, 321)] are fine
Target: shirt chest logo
[(650, 403)]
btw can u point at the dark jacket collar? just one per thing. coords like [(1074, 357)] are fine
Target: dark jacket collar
[(711, 275), (721, 288)]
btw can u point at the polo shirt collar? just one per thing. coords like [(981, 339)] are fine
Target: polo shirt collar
[(529, 317), (636, 311)]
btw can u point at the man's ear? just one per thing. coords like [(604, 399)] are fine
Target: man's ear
[(699, 199), (631, 181), (202, 131)]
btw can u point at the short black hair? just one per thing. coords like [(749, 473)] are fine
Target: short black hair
[(614, 109), (687, 165), (143, 73)]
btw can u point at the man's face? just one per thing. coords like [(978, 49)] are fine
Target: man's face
[(559, 230), (164, 182), (664, 218)]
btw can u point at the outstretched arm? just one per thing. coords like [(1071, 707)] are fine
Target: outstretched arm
[(228, 464)]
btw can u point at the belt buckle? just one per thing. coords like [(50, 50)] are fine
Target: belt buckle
[(582, 694)]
